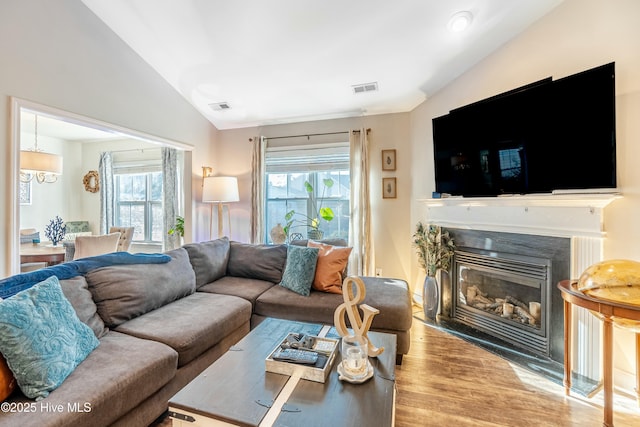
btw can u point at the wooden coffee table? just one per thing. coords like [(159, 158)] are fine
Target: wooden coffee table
[(236, 389)]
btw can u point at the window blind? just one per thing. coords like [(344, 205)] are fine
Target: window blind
[(307, 158), (133, 167)]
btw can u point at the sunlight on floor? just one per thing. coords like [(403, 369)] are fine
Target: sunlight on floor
[(623, 403)]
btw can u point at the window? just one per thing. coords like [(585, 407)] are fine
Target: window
[(139, 204), (289, 168)]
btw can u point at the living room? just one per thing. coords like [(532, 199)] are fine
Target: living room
[(64, 57)]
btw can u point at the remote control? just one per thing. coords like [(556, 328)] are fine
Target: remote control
[(296, 356)]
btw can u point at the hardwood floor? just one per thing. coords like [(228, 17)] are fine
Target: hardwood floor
[(446, 381)]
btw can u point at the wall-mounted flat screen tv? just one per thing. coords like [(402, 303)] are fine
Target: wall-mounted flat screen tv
[(547, 136)]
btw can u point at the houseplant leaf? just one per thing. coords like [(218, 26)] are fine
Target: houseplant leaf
[(308, 187), (326, 213)]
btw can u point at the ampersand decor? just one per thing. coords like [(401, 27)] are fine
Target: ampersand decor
[(359, 325)]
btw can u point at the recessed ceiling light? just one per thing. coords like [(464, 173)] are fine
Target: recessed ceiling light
[(460, 21), (365, 87)]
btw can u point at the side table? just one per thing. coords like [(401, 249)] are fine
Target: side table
[(608, 311)]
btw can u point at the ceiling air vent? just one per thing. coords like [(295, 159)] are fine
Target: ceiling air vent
[(365, 87), (220, 106)]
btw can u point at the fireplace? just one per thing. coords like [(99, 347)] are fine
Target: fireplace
[(504, 285), (567, 229), (504, 295)]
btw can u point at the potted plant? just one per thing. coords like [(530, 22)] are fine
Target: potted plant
[(178, 228), (435, 250), (320, 212)]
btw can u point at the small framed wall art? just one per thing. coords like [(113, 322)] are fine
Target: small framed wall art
[(25, 193), (388, 160), (389, 188)]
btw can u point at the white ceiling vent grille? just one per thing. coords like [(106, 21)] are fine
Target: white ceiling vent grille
[(220, 106), (365, 87)]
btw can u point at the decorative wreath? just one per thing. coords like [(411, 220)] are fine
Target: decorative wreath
[(91, 182)]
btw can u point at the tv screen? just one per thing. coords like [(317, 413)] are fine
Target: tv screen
[(540, 138)]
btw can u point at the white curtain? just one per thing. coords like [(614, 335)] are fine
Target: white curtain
[(258, 189), (170, 195), (107, 200), (362, 260)]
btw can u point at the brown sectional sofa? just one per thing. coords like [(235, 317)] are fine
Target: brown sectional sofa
[(159, 326)]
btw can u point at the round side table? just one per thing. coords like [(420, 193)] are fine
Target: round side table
[(608, 311)]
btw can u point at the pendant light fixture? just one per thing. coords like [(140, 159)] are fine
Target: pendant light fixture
[(45, 167)]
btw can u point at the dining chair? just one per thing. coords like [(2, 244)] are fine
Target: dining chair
[(126, 235), (86, 246)]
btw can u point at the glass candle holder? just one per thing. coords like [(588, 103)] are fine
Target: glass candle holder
[(354, 357)]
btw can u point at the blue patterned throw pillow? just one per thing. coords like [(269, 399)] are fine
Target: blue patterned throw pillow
[(300, 269), (42, 338)]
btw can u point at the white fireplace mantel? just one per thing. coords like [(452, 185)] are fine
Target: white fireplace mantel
[(579, 217), (562, 215)]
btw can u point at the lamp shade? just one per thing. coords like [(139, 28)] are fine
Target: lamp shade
[(39, 161), (220, 189)]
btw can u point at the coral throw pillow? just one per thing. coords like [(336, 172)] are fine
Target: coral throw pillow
[(7, 380), (332, 262)]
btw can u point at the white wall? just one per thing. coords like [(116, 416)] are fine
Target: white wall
[(51, 199), (61, 55), (391, 227), (577, 35)]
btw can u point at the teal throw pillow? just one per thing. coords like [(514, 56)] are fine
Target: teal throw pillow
[(42, 338), (300, 269)]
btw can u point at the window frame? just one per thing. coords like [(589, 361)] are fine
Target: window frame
[(312, 160), (314, 179), (147, 204)]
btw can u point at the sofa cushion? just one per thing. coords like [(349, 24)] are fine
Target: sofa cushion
[(390, 296), (249, 289), (300, 269), (192, 324), (281, 303), (123, 292), (332, 263), (264, 262), (77, 292), (393, 298), (115, 378), (209, 260), (42, 338)]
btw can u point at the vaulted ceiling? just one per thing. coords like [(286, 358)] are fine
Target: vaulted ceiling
[(250, 63)]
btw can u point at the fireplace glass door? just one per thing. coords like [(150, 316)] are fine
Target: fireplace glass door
[(503, 295)]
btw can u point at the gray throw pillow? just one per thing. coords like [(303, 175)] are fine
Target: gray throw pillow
[(209, 260), (77, 292), (300, 270), (264, 262), (123, 292)]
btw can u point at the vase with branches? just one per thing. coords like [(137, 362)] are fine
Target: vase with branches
[(55, 230), (295, 219), (435, 250)]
